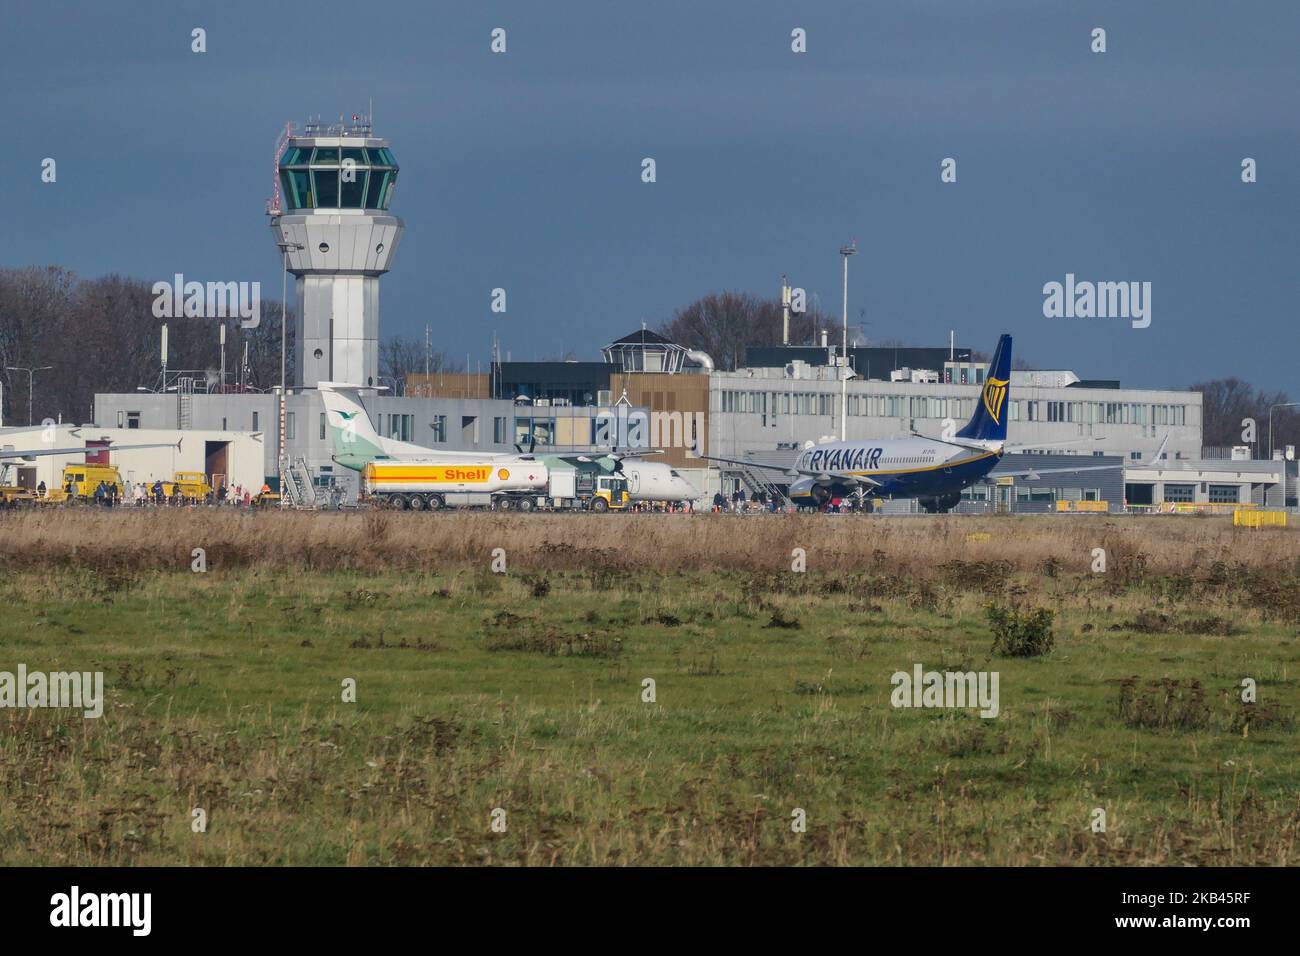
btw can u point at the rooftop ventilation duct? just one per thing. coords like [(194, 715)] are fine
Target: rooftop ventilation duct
[(702, 359)]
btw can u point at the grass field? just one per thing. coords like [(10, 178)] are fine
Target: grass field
[(523, 692)]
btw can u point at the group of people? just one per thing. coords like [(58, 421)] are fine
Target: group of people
[(761, 501), (109, 494), (238, 496), (669, 507)]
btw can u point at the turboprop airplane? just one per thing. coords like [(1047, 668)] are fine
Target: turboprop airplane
[(932, 470), (356, 444)]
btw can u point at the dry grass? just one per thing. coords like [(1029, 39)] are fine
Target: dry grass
[(130, 540)]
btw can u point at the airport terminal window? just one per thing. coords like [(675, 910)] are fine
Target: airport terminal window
[(322, 426), (1035, 494), (439, 426), (1180, 492), (499, 430), (326, 155), (290, 431), (402, 427)]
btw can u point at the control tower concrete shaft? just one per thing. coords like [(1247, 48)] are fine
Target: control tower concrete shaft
[(331, 216)]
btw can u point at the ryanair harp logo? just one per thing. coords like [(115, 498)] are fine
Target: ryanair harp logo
[(995, 395)]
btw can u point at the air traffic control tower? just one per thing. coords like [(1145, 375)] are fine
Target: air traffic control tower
[(330, 218)]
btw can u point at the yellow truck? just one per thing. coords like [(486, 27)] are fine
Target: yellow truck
[(81, 480), (187, 484), (610, 494)]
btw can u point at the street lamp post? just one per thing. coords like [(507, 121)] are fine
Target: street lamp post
[(1270, 442), (1270, 423), (284, 307), (845, 251), (30, 383)]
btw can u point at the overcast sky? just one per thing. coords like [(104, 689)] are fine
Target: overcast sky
[(523, 170)]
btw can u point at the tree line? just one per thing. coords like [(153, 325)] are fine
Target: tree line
[(82, 336)]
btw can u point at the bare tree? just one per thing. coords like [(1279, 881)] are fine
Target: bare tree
[(399, 357), (725, 323), (101, 335), (1226, 403)]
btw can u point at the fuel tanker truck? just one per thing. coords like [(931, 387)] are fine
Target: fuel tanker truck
[(434, 484)]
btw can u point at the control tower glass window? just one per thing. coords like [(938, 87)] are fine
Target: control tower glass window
[(337, 177), (296, 186), (352, 193), (377, 196), (326, 192)]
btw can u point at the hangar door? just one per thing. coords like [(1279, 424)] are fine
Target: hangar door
[(215, 462)]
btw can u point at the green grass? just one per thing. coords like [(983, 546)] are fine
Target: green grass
[(523, 692)]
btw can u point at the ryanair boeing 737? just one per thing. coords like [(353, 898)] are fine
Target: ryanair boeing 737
[(932, 470)]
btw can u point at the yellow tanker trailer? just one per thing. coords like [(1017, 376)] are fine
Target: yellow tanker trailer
[(420, 485)]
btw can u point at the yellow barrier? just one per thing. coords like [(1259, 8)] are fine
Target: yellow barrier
[(1259, 519), (1204, 507), (1065, 505)]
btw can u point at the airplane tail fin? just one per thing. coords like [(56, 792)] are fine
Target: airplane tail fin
[(989, 423), (352, 437)]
